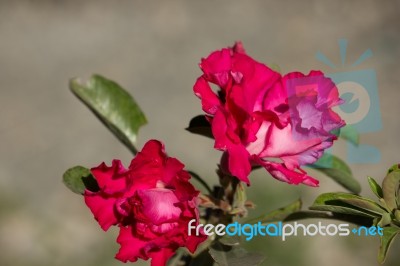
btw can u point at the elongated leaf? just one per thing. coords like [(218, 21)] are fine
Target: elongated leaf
[(339, 171), (385, 220), (118, 111), (346, 204), (279, 214), (375, 187), (199, 125), (234, 256), (363, 203), (350, 134), (390, 187), (78, 178), (389, 233)]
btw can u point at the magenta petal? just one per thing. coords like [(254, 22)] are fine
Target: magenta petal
[(172, 167), (238, 48), (110, 179), (209, 100), (192, 242), (131, 248), (153, 150), (217, 66), (238, 162), (280, 172), (219, 129), (160, 257), (102, 209)]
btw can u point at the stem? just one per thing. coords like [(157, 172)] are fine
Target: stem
[(201, 181)]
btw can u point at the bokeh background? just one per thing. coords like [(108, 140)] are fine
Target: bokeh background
[(152, 49)]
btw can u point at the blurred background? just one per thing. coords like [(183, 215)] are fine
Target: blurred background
[(153, 49)]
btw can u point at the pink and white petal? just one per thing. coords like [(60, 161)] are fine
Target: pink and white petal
[(102, 209), (280, 172), (261, 139), (282, 142), (158, 205)]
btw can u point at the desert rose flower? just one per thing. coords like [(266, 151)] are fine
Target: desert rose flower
[(152, 202), (259, 117)]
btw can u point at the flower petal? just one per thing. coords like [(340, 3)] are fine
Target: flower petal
[(158, 205), (102, 209), (280, 172), (132, 248), (238, 162), (209, 100), (110, 179)]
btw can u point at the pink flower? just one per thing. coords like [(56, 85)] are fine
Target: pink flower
[(152, 202), (257, 116)]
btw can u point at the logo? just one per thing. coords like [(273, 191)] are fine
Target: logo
[(359, 90), (249, 231)]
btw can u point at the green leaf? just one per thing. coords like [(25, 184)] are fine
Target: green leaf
[(389, 234), (347, 204), (339, 171), (234, 256), (279, 214), (118, 111), (375, 187), (385, 220), (363, 203), (395, 167), (350, 134), (79, 178), (390, 187), (199, 125)]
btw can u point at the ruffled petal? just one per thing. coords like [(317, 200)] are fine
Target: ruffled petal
[(280, 172), (216, 67), (132, 248), (209, 100), (102, 209), (110, 179)]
